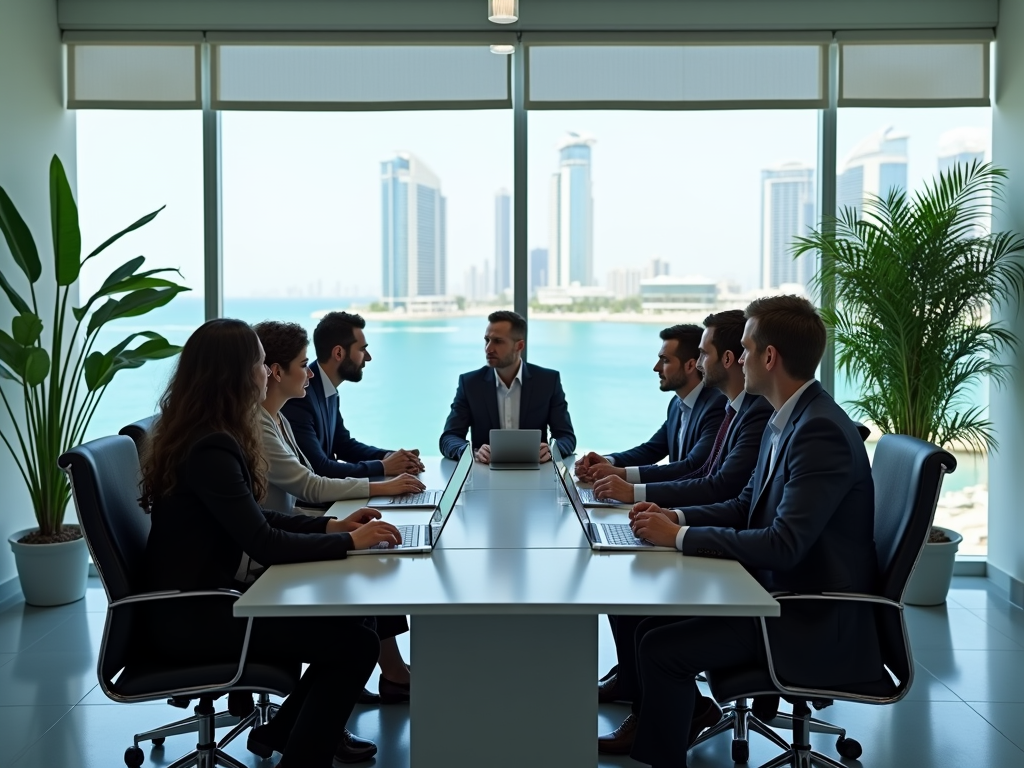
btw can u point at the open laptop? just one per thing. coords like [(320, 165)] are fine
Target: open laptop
[(421, 538), (515, 448), (586, 494), (424, 499), (604, 536)]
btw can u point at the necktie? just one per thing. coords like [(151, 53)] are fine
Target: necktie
[(332, 420), (714, 460)]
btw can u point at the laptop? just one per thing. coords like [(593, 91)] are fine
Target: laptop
[(424, 499), (586, 494), (417, 539), (604, 536), (515, 448)]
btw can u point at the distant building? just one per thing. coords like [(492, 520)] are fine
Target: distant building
[(679, 294), (477, 282), (538, 269), (413, 231), (964, 147), (572, 215), (502, 241), (788, 209), (656, 267), (623, 283), (877, 165), (554, 296)]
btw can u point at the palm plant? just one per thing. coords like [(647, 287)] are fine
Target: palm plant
[(63, 382), (913, 281)]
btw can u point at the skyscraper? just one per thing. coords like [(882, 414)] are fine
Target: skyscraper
[(787, 211), (413, 231), (502, 241), (538, 269), (572, 215), (964, 147), (875, 166)]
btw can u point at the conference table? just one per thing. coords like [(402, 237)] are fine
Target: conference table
[(504, 615)]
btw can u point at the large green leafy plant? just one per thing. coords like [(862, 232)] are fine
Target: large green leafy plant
[(63, 381), (913, 280)]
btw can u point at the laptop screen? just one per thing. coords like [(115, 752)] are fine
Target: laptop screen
[(575, 501), (451, 494)]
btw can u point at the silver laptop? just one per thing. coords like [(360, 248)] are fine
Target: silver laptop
[(424, 499), (586, 494), (515, 448), (423, 538), (604, 536)]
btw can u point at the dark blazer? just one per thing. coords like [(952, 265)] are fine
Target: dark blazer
[(542, 405), (321, 435), (698, 440), (738, 459), (809, 527)]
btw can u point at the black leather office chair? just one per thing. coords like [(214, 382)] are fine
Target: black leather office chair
[(138, 430), (104, 481), (908, 474)]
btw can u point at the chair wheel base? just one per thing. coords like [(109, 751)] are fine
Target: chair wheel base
[(134, 757), (740, 751), (848, 748)]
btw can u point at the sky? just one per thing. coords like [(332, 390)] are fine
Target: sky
[(301, 190)]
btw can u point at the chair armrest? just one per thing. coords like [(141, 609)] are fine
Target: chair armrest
[(848, 597), (170, 594)]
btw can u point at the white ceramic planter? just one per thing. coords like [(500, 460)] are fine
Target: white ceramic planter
[(931, 579), (51, 574)]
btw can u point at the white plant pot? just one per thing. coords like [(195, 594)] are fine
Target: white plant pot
[(51, 574), (931, 579)]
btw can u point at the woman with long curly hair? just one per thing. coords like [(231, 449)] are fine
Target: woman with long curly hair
[(203, 472)]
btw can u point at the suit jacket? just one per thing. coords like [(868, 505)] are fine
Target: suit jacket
[(321, 435), (698, 440), (738, 459), (808, 526), (542, 406)]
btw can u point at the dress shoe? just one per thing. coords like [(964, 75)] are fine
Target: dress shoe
[(619, 741), (368, 697), (765, 708), (352, 749), (608, 689), (706, 717), (610, 673), (392, 693)]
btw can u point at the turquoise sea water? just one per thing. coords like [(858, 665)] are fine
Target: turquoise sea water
[(407, 388)]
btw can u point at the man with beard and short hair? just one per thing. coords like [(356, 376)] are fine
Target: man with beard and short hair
[(507, 394), (688, 433), (341, 355)]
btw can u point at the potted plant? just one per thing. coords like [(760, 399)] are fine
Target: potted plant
[(62, 377), (913, 279)]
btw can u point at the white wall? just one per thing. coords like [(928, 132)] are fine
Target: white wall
[(33, 126), (1006, 501)]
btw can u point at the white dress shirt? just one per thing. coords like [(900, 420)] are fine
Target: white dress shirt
[(777, 423), (508, 399), (633, 473)]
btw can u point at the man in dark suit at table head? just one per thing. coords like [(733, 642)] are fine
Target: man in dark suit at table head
[(688, 433), (804, 523), (507, 394), (341, 355)]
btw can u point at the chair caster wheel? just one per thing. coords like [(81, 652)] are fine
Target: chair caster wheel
[(740, 751), (159, 741), (133, 757), (848, 748)]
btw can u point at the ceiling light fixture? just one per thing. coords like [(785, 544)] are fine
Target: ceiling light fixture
[(504, 50), (503, 11)]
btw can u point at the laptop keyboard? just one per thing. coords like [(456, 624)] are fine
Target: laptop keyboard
[(620, 533), (408, 537), (588, 497), (423, 497)]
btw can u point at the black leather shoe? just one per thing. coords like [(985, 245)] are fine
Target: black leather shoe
[(619, 741), (765, 708), (264, 742), (368, 697), (607, 690), (352, 749), (610, 673), (392, 693), (706, 717)]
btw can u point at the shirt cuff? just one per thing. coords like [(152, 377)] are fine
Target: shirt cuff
[(680, 535), (633, 475), (610, 460), (640, 492)]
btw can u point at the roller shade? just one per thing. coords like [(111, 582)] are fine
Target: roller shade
[(937, 73), (145, 76), (690, 76), (354, 77)]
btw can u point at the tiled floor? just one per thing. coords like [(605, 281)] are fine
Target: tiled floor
[(966, 707)]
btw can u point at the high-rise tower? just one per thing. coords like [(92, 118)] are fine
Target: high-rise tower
[(787, 211), (875, 166), (572, 215), (502, 241)]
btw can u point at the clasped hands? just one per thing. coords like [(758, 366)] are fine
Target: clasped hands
[(654, 524), (366, 528), (483, 454), (402, 461), (609, 481)]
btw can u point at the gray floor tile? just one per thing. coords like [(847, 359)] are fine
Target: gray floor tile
[(21, 727), (927, 687), (1005, 618), (6, 657), (976, 592), (975, 675), (951, 627), (97, 697), (1007, 718), (47, 678), (79, 632), (23, 625)]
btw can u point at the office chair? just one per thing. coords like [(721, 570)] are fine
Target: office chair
[(907, 473), (103, 475)]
